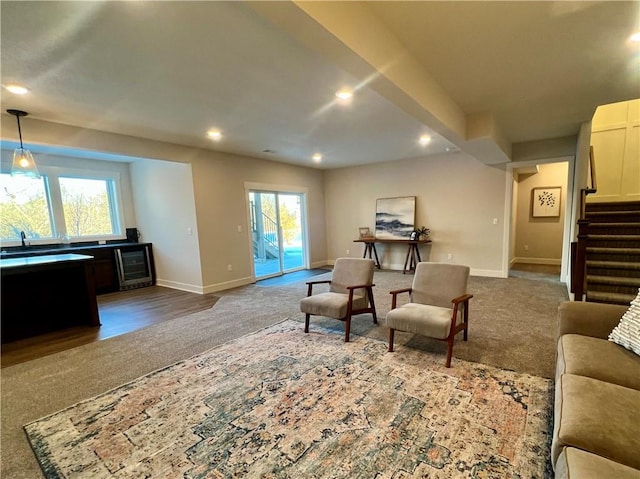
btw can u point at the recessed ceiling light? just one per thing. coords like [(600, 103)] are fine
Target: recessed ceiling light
[(215, 135), (635, 37), (425, 140), (317, 157), (17, 89), (344, 94)]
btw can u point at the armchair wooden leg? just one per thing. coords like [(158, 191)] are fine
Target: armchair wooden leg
[(391, 334), (306, 323), (465, 318), (347, 329), (449, 351), (373, 306)]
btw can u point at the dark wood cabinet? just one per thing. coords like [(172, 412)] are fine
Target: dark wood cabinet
[(104, 269), (104, 265), (47, 293)]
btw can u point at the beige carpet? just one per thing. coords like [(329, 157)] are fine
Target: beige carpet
[(512, 326)]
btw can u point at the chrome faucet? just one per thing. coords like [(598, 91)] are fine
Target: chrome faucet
[(22, 238)]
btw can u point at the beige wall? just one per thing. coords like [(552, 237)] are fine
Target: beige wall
[(203, 190), (164, 203), (221, 206), (539, 240), (457, 198), (615, 138)]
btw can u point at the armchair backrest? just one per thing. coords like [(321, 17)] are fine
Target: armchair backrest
[(438, 283), (351, 272)]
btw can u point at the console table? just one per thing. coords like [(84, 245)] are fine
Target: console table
[(413, 252)]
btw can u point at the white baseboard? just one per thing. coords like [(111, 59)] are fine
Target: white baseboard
[(190, 288), (549, 261), (488, 273), (320, 264), (211, 288)]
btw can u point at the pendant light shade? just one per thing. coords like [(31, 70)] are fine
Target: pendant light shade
[(23, 162)]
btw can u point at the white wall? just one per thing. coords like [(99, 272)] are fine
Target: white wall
[(457, 198), (615, 137), (164, 203), (48, 161)]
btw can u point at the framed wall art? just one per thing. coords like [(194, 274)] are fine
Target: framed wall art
[(395, 217), (365, 232), (545, 202)]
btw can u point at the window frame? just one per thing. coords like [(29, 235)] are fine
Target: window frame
[(51, 176)]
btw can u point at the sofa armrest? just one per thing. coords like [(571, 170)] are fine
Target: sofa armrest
[(589, 319)]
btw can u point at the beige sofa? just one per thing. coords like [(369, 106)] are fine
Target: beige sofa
[(596, 431)]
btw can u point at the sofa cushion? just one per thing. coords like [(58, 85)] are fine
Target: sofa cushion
[(589, 319), (597, 417), (627, 332), (576, 464), (598, 359)]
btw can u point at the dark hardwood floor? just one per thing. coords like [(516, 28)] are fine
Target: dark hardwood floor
[(120, 313), (128, 311)]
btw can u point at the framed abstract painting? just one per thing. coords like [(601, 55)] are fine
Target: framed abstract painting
[(395, 217), (545, 202)]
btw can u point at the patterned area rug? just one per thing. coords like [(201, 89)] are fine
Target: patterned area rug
[(283, 404)]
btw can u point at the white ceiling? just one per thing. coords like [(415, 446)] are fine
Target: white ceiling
[(265, 73)]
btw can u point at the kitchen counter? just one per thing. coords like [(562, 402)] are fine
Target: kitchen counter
[(18, 251), (45, 293), (41, 259)]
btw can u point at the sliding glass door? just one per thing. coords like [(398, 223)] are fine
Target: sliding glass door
[(277, 232)]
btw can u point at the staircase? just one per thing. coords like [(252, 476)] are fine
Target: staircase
[(612, 252)]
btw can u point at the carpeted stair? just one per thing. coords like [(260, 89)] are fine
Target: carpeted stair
[(613, 252)]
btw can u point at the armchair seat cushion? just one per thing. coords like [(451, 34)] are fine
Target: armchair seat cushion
[(423, 319), (597, 359), (330, 304)]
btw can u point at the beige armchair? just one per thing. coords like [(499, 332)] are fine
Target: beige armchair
[(438, 304), (350, 293)]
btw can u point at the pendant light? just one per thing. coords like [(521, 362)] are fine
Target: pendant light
[(23, 162)]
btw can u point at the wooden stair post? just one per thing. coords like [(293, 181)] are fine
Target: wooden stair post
[(579, 273)]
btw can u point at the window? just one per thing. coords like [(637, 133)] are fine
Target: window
[(24, 206), (85, 204), (75, 205)]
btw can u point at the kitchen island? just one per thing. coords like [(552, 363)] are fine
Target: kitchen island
[(47, 293)]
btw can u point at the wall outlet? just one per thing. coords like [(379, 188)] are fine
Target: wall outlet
[(495, 221), (449, 256), (239, 228), (229, 267), (347, 252), (526, 247)]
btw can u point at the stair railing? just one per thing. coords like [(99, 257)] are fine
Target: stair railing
[(579, 247), (265, 234)]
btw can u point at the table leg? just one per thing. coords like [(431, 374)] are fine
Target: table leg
[(375, 252), (406, 260)]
